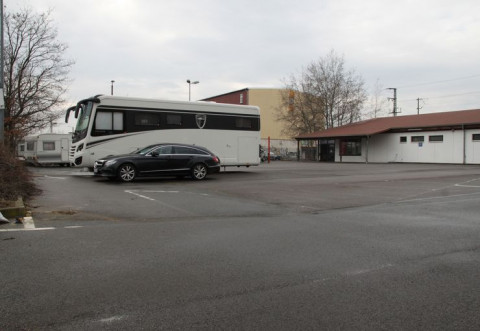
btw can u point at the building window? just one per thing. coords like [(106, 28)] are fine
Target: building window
[(403, 139), (476, 137), (437, 138), (241, 98), (48, 145), (417, 139), (351, 147)]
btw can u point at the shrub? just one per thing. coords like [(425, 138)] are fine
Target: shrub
[(15, 179)]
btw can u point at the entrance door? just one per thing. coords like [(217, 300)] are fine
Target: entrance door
[(327, 150), (64, 149)]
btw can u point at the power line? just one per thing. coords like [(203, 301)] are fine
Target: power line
[(444, 96), (440, 81)]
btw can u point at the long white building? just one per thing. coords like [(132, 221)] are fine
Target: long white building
[(448, 137)]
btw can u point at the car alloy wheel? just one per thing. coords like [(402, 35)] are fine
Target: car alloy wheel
[(199, 171), (127, 172)]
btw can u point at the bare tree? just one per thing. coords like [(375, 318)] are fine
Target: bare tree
[(300, 111), (342, 92), (329, 96), (377, 102), (35, 71)]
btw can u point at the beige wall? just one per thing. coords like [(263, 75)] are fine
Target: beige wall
[(268, 100)]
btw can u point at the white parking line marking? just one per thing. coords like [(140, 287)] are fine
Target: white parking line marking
[(158, 201), (40, 229), (112, 319), (19, 230), (54, 177), (28, 223), (468, 181), (442, 197), (139, 195)]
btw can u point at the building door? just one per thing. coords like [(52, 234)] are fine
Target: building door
[(327, 150)]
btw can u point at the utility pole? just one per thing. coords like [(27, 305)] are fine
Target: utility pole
[(395, 110), (418, 106), (2, 99)]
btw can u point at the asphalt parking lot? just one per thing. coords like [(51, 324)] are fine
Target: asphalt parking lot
[(277, 187), (282, 246)]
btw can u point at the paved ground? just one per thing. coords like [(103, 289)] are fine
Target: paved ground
[(289, 246)]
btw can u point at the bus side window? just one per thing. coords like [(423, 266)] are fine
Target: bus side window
[(108, 122)]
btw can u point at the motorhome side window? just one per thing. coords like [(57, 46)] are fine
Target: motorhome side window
[(108, 122), (30, 145), (243, 123), (147, 119), (174, 119)]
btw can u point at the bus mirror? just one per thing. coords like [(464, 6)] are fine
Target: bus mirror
[(77, 109), (67, 115)]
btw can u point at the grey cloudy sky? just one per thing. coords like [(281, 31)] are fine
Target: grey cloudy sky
[(428, 49)]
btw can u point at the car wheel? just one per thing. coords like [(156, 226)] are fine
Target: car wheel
[(199, 171), (126, 172)]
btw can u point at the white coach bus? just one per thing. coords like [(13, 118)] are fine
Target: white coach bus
[(111, 125)]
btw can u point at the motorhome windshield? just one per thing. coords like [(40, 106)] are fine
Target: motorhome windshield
[(82, 122)]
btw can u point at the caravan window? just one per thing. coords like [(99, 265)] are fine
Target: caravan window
[(48, 145), (30, 145)]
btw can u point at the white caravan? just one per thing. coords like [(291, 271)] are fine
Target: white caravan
[(47, 148), (111, 125)]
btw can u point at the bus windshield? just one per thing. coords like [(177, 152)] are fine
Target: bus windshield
[(83, 121)]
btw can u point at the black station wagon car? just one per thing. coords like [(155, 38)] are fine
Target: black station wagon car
[(159, 160)]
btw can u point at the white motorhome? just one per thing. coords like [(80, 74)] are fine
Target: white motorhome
[(47, 148), (111, 125)]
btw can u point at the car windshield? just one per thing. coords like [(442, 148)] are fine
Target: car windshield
[(145, 150)]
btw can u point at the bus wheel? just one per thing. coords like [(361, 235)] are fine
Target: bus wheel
[(199, 171), (126, 172)]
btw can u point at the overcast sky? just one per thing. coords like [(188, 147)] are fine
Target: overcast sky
[(427, 49)]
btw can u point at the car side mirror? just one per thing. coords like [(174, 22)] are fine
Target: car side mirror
[(155, 154)]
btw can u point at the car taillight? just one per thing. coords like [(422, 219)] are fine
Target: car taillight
[(216, 160)]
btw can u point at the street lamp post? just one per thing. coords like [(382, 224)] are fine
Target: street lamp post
[(111, 90), (190, 87)]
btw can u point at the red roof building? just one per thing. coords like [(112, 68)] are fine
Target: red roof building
[(448, 137)]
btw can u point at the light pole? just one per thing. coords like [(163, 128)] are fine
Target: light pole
[(111, 90), (190, 87)]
